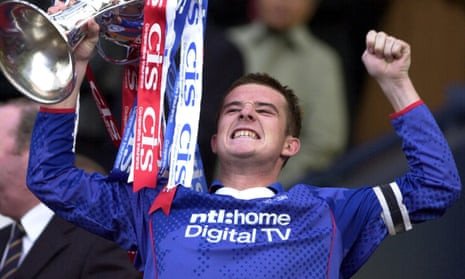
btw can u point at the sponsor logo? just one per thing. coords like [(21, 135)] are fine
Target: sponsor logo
[(239, 227)]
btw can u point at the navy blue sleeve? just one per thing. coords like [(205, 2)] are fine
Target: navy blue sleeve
[(90, 201), (432, 182), (428, 188)]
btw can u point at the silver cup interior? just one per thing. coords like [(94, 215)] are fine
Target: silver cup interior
[(34, 55)]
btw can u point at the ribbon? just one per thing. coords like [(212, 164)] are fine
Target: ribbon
[(129, 92), (123, 162), (182, 128), (104, 109), (177, 160), (149, 96), (187, 111)]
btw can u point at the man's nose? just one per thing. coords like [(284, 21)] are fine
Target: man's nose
[(247, 111)]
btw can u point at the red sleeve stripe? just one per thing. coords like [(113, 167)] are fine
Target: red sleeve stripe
[(57, 110), (406, 109)]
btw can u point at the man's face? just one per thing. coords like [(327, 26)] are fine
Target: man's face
[(252, 124), (12, 164), (284, 14)]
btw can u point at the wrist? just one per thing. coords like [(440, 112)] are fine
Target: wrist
[(401, 93)]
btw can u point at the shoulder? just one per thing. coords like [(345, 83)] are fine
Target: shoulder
[(334, 195)]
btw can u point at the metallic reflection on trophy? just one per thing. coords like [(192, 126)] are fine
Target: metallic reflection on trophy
[(121, 31), (36, 48)]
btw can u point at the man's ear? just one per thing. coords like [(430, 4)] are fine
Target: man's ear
[(291, 146), (213, 143)]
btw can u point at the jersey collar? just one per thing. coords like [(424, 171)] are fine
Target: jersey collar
[(218, 188)]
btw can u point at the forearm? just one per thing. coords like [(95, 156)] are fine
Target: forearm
[(400, 93)]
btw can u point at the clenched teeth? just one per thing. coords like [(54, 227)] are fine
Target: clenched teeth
[(245, 133)]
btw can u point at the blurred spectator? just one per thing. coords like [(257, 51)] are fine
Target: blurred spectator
[(51, 247), (279, 43), (341, 24)]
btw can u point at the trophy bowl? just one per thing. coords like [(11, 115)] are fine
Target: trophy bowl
[(36, 48)]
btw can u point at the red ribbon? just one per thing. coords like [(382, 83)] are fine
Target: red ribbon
[(104, 109), (148, 138), (164, 200)]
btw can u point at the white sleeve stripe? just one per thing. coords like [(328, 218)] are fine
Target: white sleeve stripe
[(394, 212), (403, 209), (386, 214)]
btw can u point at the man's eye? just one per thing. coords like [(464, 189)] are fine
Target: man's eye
[(231, 110), (265, 112)]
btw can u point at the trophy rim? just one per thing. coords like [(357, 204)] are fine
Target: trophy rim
[(43, 97)]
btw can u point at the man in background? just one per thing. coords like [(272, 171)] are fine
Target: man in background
[(51, 247)]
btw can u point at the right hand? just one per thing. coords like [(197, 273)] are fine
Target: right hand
[(84, 50)]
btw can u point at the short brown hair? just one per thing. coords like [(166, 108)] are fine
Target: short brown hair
[(294, 112)]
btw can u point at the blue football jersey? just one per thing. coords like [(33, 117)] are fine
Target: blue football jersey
[(305, 232)]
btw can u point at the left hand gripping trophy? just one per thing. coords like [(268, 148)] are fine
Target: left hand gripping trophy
[(36, 48)]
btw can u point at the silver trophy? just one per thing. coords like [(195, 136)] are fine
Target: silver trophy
[(36, 48)]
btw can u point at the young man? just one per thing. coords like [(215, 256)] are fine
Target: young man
[(279, 43), (250, 227)]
